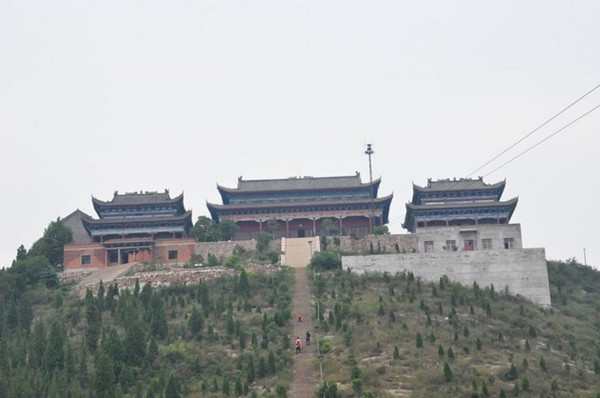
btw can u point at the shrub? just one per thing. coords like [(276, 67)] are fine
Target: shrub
[(326, 260)]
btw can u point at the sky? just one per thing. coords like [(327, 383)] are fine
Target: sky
[(99, 96)]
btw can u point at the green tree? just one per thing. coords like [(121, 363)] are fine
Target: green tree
[(205, 230), (21, 253), (228, 229), (244, 284), (172, 389), (262, 242), (381, 230), (272, 225), (326, 260), (448, 376), (419, 340), (511, 374), (158, 323), (195, 321), (51, 244), (543, 363), (104, 375), (94, 321), (250, 374), (134, 344), (54, 354), (31, 270), (37, 344)]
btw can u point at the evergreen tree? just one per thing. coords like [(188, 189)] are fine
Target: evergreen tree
[(172, 389), (250, 374), (447, 372), (145, 295), (50, 245), (262, 367), (272, 364), (195, 322), (135, 344), (244, 284), (54, 354), (136, 289), (419, 340), (94, 321), (37, 344), (158, 323), (104, 375)]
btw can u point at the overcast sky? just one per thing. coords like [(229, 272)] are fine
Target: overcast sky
[(98, 96)]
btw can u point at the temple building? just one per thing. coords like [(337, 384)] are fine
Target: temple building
[(464, 214), (137, 226), (302, 206)]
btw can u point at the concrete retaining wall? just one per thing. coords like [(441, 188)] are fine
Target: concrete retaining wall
[(523, 271)]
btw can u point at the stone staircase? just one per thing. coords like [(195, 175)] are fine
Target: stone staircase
[(297, 252), (105, 275)]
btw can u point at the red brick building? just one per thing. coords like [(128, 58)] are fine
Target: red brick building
[(132, 227)]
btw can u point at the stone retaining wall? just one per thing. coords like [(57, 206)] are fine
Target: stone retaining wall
[(522, 271), (225, 249), (164, 275), (381, 244)]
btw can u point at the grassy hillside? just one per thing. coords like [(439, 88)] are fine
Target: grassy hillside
[(224, 337), (392, 335), (380, 335)]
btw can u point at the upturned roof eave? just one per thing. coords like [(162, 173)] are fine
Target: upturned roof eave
[(510, 202), (100, 203), (226, 191), (218, 207), (106, 221)]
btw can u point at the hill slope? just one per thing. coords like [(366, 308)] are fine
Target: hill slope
[(392, 335)]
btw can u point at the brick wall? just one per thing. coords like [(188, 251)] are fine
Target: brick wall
[(73, 256), (184, 250)]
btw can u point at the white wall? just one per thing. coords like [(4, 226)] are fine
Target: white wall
[(523, 271), (495, 232)]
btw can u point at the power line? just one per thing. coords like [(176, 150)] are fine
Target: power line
[(534, 130), (545, 139)]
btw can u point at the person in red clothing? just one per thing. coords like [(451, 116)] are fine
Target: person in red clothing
[(298, 345), (299, 317)]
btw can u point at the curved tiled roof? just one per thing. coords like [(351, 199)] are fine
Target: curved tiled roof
[(144, 219), (299, 183), (454, 185), (139, 199), (216, 209), (411, 206)]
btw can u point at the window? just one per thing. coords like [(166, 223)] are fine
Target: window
[(172, 254), (509, 243), (486, 244), (86, 259), (451, 245), (429, 246)]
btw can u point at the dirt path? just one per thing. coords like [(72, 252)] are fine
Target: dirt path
[(304, 384)]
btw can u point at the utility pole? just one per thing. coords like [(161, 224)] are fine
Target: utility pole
[(369, 152), (584, 258)]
